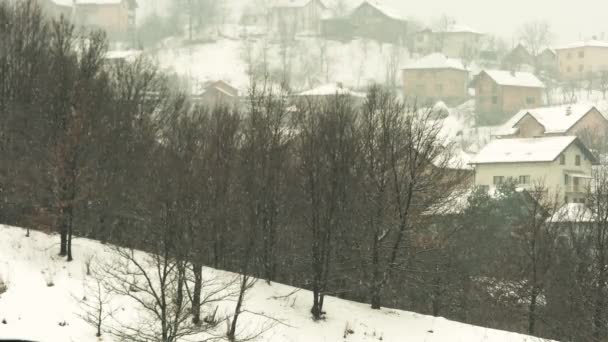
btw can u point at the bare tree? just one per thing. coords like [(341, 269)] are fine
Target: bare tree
[(95, 302), (325, 146), (536, 35)]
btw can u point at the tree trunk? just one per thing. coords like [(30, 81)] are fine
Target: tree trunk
[(70, 217), (196, 296), (63, 234), (532, 310), (316, 305)]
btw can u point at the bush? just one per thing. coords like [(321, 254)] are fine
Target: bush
[(3, 285)]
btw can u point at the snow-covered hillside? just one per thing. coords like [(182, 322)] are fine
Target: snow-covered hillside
[(312, 61), (31, 309)]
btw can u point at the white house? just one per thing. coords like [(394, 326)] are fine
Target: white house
[(561, 164)]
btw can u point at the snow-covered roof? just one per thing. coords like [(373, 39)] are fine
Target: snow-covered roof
[(291, 3), (123, 54), (460, 28), (571, 213), (584, 43), (436, 61), (556, 119), (100, 2), (514, 78), (455, 159), (525, 150), (331, 89), (384, 8), (67, 3)]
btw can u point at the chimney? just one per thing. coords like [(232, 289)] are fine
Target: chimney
[(568, 110)]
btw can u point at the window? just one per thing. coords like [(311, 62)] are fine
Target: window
[(581, 68), (562, 159), (569, 55), (566, 179), (577, 160), (494, 99), (581, 54), (575, 181), (566, 199), (524, 180), (498, 180), (530, 100)]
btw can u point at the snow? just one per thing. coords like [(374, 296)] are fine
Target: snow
[(517, 79), (331, 89), (572, 213), (545, 149), (99, 2), (385, 9), (290, 3), (460, 28), (33, 311), (67, 3), (123, 54), (436, 61), (555, 119), (584, 43), (355, 63)]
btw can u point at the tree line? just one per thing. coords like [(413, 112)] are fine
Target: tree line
[(356, 199)]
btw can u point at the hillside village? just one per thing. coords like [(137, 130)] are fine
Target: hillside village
[(531, 90), (506, 148)]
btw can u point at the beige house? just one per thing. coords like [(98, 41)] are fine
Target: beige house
[(116, 17), (455, 41), (219, 93), (501, 92), (578, 60), (582, 120), (286, 18), (436, 77), (57, 8), (562, 165)]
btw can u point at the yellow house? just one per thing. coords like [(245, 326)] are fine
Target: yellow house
[(116, 17), (436, 77), (290, 17), (578, 60), (580, 119), (562, 165), (501, 92), (455, 41)]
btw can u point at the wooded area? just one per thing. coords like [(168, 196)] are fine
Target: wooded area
[(342, 198)]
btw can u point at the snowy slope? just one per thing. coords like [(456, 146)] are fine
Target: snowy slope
[(355, 63), (33, 310)]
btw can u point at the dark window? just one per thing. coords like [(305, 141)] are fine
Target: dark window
[(566, 179), (562, 160), (524, 180), (498, 180), (577, 160), (530, 100)]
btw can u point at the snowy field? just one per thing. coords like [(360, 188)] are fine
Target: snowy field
[(32, 310), (313, 61)]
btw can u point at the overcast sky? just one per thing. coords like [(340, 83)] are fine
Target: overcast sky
[(570, 19)]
